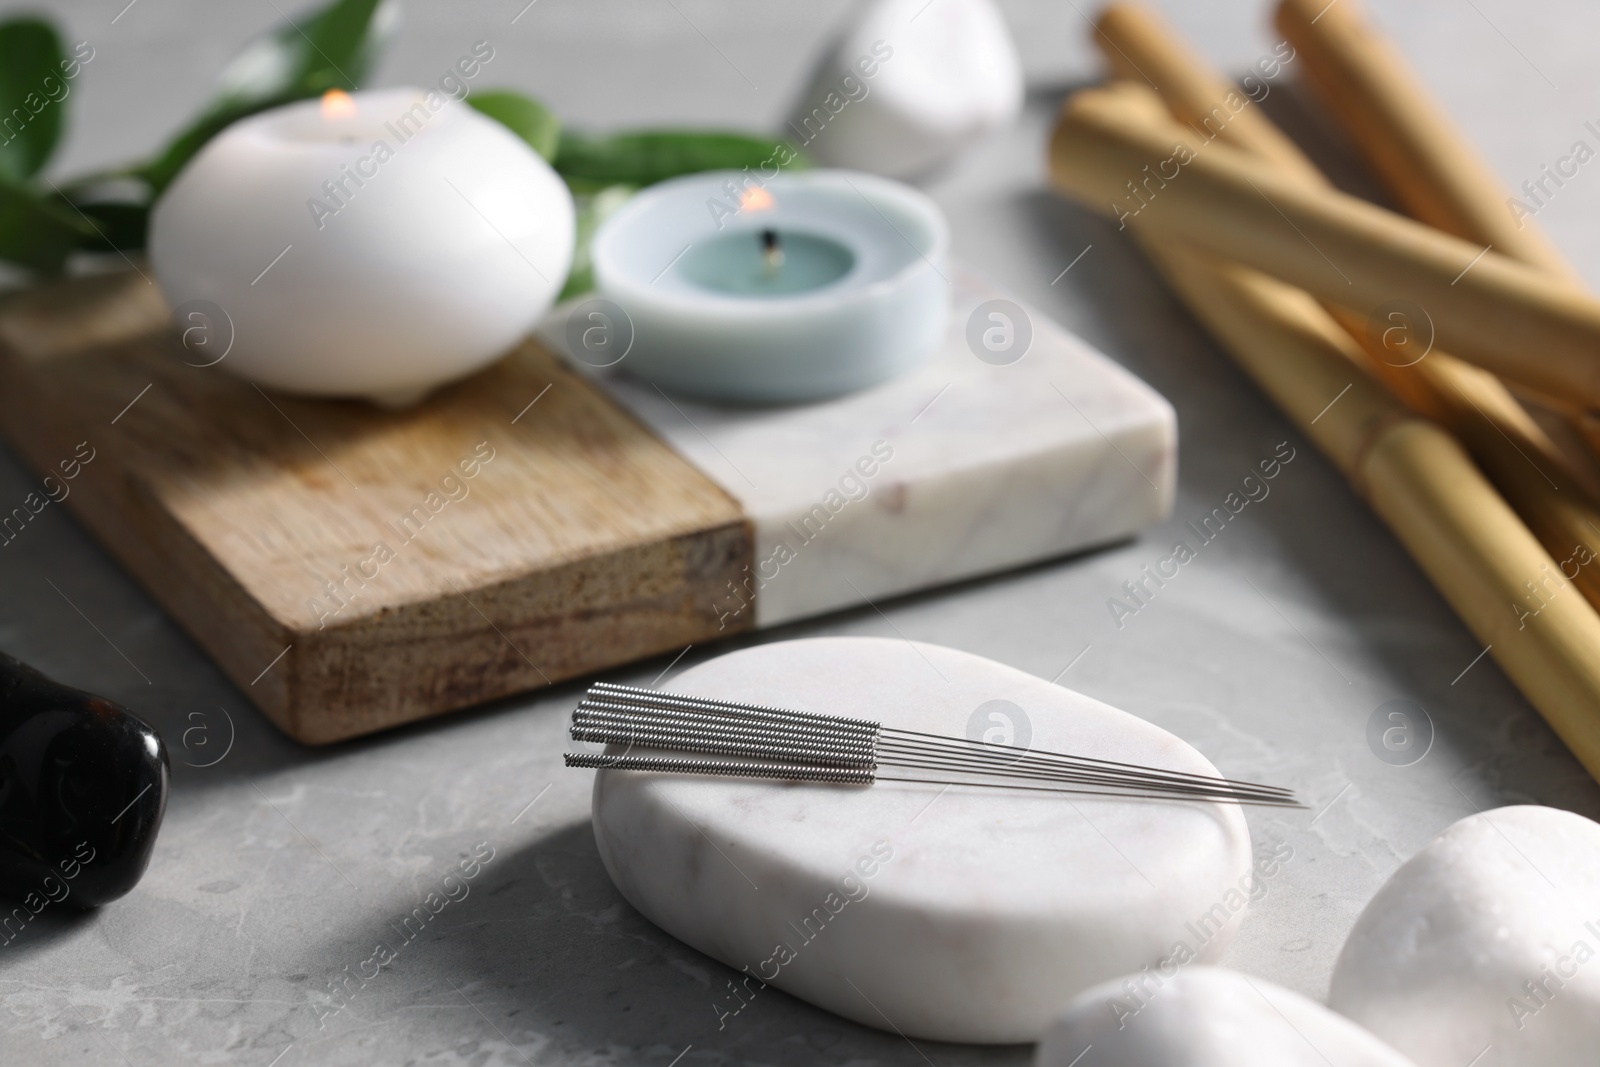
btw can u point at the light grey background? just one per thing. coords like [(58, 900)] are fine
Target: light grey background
[(279, 866)]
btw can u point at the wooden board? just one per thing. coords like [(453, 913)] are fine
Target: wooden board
[(579, 541), (353, 569)]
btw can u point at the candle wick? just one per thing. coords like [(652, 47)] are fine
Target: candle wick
[(771, 252)]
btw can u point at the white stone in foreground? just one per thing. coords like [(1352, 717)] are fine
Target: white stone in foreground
[(1208, 1017), (959, 914), (908, 85), (1484, 944)]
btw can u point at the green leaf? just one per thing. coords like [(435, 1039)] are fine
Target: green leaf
[(523, 116), (593, 209), (119, 225), (32, 92), (650, 156), (36, 232), (332, 49)]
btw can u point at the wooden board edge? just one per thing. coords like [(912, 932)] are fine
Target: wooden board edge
[(514, 636), (125, 519), (657, 597)]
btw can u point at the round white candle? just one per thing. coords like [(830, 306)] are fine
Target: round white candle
[(848, 290), (372, 245)]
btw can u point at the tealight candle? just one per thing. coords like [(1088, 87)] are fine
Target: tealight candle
[(371, 245), (794, 288)]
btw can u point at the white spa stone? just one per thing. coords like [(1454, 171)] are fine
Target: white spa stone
[(909, 84), (989, 466), (1207, 1017), (1482, 948), (950, 914)]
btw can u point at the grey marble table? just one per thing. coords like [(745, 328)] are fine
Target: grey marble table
[(279, 867)]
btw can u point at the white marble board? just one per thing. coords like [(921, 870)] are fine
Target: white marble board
[(990, 466)]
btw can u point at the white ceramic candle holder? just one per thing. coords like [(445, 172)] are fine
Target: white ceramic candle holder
[(793, 288), (374, 245)]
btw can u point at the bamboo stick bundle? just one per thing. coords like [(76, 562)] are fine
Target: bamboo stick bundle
[(1405, 136), (1425, 163), (1414, 475), (1519, 457), (1503, 315)]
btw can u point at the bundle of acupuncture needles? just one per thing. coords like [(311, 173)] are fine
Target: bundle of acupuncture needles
[(741, 740)]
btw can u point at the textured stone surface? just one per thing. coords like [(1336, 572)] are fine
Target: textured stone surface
[(245, 918)]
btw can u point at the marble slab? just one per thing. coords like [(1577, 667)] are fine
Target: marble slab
[(976, 466)]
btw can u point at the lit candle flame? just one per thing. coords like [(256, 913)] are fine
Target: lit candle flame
[(337, 104), (756, 198)]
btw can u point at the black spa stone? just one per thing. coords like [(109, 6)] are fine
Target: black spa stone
[(83, 786)]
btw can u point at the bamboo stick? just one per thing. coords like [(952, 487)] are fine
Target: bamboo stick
[(1416, 478), (1139, 46), (1503, 315), (1424, 161), (1405, 136), (1519, 457)]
